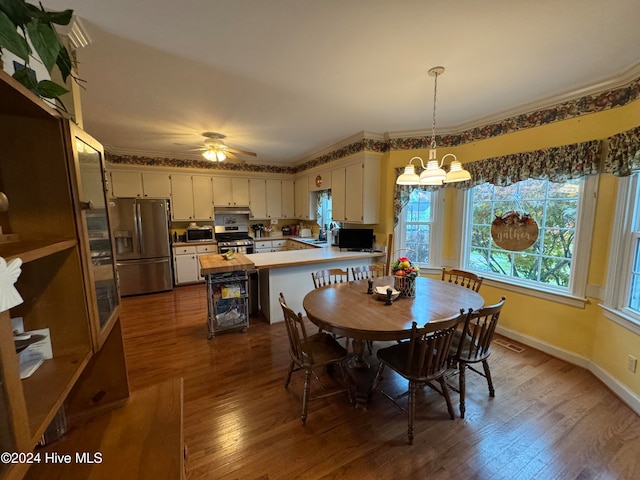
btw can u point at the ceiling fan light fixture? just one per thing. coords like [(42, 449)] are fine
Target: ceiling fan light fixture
[(214, 155)]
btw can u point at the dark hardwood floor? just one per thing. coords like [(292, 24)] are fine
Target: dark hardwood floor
[(549, 419)]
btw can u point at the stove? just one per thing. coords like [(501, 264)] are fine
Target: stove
[(238, 242), (232, 231)]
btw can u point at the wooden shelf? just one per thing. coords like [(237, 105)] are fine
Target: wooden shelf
[(140, 440), (56, 377), (34, 250)]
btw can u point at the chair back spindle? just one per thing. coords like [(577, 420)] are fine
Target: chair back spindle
[(463, 278), (330, 276)]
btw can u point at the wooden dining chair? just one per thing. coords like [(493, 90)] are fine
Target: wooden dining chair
[(472, 345), (421, 360), (308, 352), (329, 276), (364, 272), (462, 278)]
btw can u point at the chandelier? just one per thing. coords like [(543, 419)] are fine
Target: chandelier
[(434, 174)]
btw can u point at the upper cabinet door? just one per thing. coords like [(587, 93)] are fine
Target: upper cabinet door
[(202, 198), (96, 240), (240, 191), (181, 197), (126, 184), (156, 185)]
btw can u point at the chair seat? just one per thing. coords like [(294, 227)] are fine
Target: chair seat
[(324, 348), (457, 338), (396, 356)]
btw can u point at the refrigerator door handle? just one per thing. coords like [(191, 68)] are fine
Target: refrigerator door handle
[(139, 228)]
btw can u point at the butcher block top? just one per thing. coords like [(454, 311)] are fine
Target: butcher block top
[(216, 263)]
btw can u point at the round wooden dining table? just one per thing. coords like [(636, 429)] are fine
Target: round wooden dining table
[(347, 309)]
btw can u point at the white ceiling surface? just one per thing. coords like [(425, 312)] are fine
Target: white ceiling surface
[(290, 78)]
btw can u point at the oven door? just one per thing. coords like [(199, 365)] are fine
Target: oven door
[(236, 248)]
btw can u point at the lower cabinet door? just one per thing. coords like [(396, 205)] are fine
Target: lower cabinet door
[(186, 269)]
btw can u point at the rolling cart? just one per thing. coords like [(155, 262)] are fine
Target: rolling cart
[(227, 295), (227, 292)]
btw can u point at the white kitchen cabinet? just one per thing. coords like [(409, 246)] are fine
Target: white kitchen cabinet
[(230, 191), (156, 185), (181, 197), (355, 191), (288, 199), (126, 184), (258, 198), (185, 262), (140, 184), (191, 197), (267, 246), (338, 190), (274, 198), (202, 197), (301, 193)]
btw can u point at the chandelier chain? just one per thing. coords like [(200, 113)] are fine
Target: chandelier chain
[(433, 124)]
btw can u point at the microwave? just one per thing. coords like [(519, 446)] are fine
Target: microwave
[(199, 234)]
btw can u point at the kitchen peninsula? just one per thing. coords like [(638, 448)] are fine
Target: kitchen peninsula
[(290, 271)]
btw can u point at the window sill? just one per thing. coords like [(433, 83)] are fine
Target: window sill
[(621, 318), (556, 297)]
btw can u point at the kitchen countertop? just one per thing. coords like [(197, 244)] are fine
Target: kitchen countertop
[(193, 244), (216, 263), (304, 257)]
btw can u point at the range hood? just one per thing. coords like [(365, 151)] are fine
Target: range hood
[(231, 211)]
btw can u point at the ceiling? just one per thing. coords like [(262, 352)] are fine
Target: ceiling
[(289, 79)]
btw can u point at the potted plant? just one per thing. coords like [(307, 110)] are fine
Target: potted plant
[(21, 21)]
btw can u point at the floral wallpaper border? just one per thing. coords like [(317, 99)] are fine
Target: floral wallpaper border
[(571, 109)]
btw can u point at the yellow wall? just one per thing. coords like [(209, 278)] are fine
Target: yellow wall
[(581, 331)]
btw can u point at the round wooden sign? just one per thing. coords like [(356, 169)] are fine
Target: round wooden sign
[(514, 232)]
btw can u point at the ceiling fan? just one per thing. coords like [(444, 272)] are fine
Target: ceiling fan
[(215, 150)]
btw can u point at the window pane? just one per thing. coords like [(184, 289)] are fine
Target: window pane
[(417, 239), (415, 226), (634, 293), (554, 206)]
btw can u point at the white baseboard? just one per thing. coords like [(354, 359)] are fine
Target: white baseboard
[(627, 396)]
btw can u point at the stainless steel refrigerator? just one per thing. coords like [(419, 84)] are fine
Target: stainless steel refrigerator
[(143, 250)]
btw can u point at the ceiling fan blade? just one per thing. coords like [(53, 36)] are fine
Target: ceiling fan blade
[(234, 158), (242, 152)]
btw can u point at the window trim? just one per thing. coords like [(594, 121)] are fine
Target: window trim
[(435, 248), (575, 293), (620, 255)]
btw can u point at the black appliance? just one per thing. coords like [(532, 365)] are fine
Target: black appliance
[(356, 239)]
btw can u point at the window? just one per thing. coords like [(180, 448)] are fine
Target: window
[(418, 231), (622, 296), (549, 264), (323, 209)]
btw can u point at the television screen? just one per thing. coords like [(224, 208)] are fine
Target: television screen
[(356, 238)]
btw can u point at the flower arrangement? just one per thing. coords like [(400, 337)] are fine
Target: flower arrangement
[(403, 267)]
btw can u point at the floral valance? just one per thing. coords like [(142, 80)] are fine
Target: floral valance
[(555, 164), (623, 157)]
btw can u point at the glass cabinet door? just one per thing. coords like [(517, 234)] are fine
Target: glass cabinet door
[(98, 251)]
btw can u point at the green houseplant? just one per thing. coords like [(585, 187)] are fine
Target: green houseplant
[(20, 21)]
